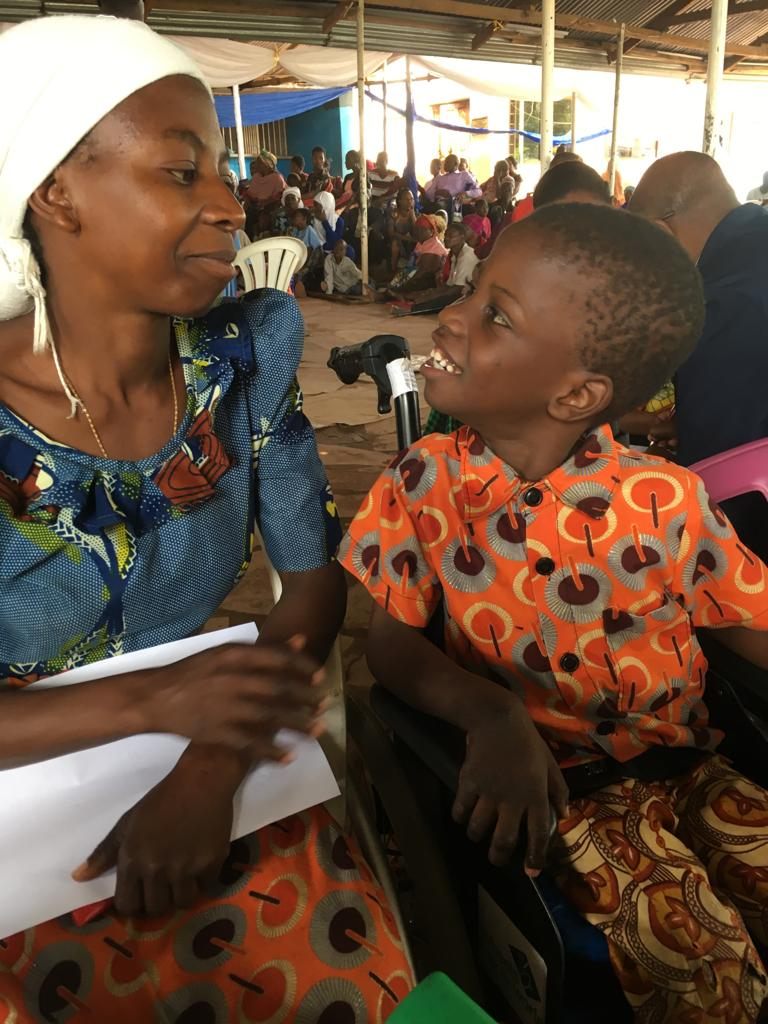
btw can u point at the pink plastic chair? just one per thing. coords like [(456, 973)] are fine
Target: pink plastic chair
[(737, 471)]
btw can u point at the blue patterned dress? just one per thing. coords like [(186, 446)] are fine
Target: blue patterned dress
[(99, 556)]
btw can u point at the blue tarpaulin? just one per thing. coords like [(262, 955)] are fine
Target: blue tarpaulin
[(263, 107)]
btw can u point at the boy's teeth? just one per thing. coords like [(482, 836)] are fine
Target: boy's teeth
[(442, 362)]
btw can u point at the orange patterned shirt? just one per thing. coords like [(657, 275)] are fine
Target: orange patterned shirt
[(580, 592)]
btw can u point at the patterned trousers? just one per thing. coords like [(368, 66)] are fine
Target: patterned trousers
[(673, 874)]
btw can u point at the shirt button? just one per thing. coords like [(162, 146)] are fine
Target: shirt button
[(545, 567), (533, 497), (569, 662)]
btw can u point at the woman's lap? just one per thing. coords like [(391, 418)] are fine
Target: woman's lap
[(297, 926)]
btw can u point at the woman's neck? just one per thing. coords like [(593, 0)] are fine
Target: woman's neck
[(109, 351)]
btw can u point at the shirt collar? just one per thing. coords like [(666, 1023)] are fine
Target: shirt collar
[(586, 481)]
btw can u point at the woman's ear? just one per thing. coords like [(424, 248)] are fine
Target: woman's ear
[(585, 399), (51, 204)]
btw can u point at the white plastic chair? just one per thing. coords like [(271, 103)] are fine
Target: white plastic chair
[(271, 262)]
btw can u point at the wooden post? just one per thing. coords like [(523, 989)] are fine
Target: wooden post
[(573, 122), (239, 131), (616, 99), (717, 36), (547, 75), (363, 168), (384, 96)]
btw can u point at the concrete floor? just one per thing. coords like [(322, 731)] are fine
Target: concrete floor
[(355, 444)]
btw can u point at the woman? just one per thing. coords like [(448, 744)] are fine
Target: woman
[(139, 440), (493, 186), (328, 224), (291, 201), (267, 184)]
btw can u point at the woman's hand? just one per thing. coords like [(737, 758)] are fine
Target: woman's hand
[(169, 847), (509, 774), (237, 697)]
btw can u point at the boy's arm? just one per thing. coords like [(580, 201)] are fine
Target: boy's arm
[(748, 643), (509, 774)]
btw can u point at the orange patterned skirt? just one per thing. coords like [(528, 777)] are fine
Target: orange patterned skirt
[(296, 931)]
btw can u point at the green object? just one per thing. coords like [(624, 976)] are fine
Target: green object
[(438, 1001)]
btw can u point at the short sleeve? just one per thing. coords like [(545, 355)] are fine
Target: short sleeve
[(383, 550), (295, 511), (717, 579)]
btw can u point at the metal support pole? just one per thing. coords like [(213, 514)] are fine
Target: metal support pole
[(363, 168), (573, 122), (616, 99), (239, 131), (384, 91), (520, 137), (715, 64), (547, 75)]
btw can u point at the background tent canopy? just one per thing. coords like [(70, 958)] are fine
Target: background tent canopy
[(263, 107)]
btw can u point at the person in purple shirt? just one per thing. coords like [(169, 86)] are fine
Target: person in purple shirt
[(452, 186)]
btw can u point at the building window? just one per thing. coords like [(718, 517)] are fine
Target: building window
[(526, 114), (272, 136)]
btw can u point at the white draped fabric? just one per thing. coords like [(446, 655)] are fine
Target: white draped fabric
[(327, 66), (226, 63)]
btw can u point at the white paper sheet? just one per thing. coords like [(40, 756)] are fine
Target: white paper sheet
[(53, 813)]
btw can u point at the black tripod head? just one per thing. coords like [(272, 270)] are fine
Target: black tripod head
[(370, 358)]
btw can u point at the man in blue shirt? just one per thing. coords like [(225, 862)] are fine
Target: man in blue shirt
[(722, 390)]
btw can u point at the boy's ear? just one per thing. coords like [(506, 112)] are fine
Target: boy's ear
[(51, 204), (584, 397)]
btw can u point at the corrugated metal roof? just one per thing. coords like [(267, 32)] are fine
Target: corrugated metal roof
[(446, 35)]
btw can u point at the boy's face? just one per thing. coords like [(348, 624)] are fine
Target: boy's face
[(318, 160), (454, 241), (481, 208), (300, 219), (511, 341), (339, 251)]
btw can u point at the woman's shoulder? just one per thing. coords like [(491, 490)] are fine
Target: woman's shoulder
[(262, 329)]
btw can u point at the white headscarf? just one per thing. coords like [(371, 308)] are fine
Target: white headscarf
[(328, 203), (59, 76), (293, 191)]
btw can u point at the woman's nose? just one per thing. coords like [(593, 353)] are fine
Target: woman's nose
[(223, 208)]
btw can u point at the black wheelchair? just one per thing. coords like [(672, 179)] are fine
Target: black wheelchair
[(512, 943)]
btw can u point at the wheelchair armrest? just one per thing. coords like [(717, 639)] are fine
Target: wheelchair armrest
[(439, 745)]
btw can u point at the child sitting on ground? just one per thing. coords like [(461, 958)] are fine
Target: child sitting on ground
[(342, 276), (304, 230), (478, 225), (572, 573)]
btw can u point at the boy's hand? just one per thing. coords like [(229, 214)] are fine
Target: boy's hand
[(509, 774)]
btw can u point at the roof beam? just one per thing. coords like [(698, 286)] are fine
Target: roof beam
[(748, 7), (569, 22), (339, 13), (661, 21), (486, 34), (733, 61)]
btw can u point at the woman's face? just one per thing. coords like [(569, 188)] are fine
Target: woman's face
[(291, 203), (318, 212), (142, 211)]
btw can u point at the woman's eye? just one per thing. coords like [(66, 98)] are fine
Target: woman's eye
[(185, 175)]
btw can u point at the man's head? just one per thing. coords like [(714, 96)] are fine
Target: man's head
[(570, 182), (629, 191), (297, 164), (451, 163), (293, 180), (579, 315), (563, 155), (340, 250), (352, 160), (455, 237), (318, 158), (686, 194), (382, 162), (463, 164), (435, 167)]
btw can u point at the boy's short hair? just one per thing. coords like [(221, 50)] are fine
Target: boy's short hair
[(318, 149), (303, 212), (459, 227), (566, 177), (298, 160), (643, 298)]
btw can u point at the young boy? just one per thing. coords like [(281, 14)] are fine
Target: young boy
[(572, 573), (342, 276), (462, 258)]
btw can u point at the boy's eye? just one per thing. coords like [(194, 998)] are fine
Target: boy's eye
[(184, 175), (496, 317)]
